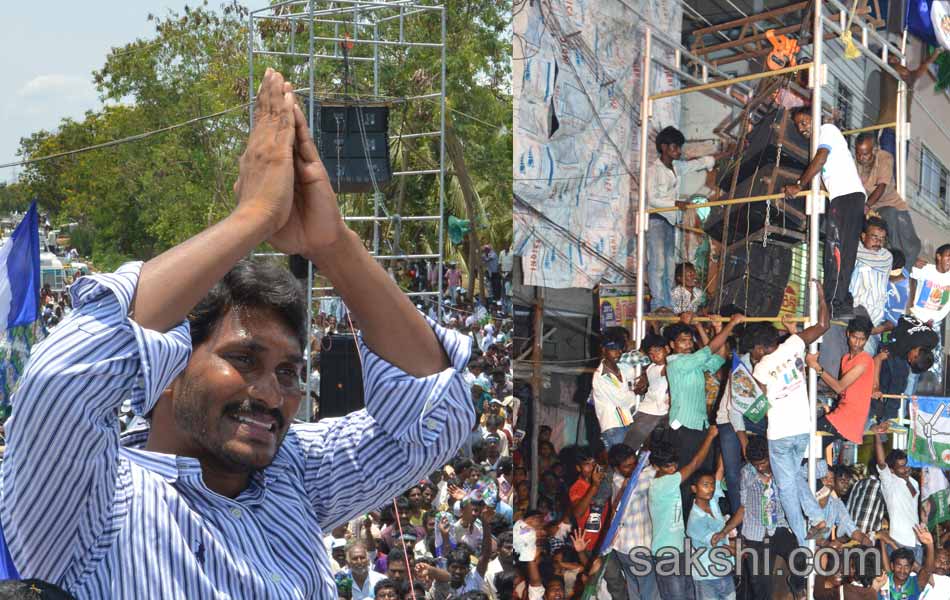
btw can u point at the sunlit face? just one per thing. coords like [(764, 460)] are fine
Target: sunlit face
[(234, 402), (873, 239), (843, 485), (864, 152), (856, 341), (554, 591), (803, 123), (586, 468), (705, 487), (457, 574), (358, 561), (611, 355), (658, 354), (902, 570), (671, 151), (942, 562), (763, 467), (415, 497), (689, 277), (901, 469), (396, 570), (942, 262), (683, 343)]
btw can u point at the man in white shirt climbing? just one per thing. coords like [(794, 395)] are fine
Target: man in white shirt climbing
[(845, 213)]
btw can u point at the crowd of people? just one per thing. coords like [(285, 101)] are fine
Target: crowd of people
[(449, 535), (705, 424)]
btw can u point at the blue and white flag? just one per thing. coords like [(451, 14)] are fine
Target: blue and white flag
[(622, 505), (19, 302), (929, 443), (930, 21)]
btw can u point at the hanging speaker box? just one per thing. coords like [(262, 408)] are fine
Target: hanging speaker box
[(353, 141)]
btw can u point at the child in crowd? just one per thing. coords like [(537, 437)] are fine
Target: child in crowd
[(654, 408), (687, 296)]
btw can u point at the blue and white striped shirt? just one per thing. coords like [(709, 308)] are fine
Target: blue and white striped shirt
[(108, 521)]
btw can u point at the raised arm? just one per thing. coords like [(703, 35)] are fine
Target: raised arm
[(687, 471), (811, 334), (484, 556), (719, 341), (838, 385), (927, 540), (879, 445), (389, 322)]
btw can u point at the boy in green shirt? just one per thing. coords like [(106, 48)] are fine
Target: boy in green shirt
[(666, 513)]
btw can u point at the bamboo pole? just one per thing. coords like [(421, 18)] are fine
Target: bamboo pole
[(537, 387), (727, 82), (643, 222), (748, 200), (722, 319), (869, 128)]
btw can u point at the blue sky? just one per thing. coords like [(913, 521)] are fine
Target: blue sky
[(48, 52)]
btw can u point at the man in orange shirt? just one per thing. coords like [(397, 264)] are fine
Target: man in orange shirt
[(849, 418), (581, 494)]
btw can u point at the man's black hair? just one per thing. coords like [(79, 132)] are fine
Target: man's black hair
[(397, 554), (860, 324), (473, 595), (555, 579), (384, 584), (504, 466), (840, 471), (459, 556), (899, 260), (419, 589), (703, 473), (669, 135), (619, 453), (801, 110), (582, 454), (757, 449), (902, 553), (874, 222), (759, 334), (496, 420), (249, 285), (863, 137), (25, 589), (402, 503), (619, 331), (674, 330), (505, 584), (942, 249), (613, 337), (893, 456), (663, 453), (505, 536), (651, 341), (531, 513), (461, 464), (925, 360)]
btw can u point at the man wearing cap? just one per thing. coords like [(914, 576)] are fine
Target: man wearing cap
[(612, 391)]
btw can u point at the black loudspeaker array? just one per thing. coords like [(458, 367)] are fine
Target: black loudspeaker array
[(754, 278), (353, 140), (341, 377), (776, 154)]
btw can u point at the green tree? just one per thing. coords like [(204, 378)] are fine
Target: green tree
[(136, 199)]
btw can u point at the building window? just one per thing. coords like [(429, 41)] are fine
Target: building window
[(845, 101), (933, 180)]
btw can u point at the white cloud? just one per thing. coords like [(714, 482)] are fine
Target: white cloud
[(57, 86)]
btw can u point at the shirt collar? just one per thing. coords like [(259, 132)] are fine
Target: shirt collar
[(172, 467)]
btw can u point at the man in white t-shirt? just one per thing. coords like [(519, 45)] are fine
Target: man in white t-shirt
[(780, 370), (654, 409), (929, 297), (845, 215), (901, 494)]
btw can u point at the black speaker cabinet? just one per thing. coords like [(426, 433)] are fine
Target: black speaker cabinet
[(341, 377), (758, 290), (353, 141)]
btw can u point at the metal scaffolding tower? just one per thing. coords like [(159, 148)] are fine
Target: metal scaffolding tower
[(345, 43)]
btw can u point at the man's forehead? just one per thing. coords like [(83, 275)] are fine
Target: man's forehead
[(258, 330)]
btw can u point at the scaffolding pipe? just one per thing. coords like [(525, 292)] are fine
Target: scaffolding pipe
[(902, 132), (747, 200), (725, 83), (715, 319), (638, 328), (869, 128), (817, 79)]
